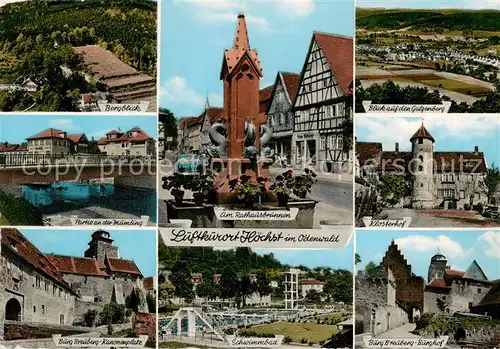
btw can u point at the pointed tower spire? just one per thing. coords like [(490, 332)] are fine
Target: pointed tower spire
[(241, 40), (207, 103)]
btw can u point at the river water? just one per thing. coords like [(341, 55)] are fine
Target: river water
[(61, 197)]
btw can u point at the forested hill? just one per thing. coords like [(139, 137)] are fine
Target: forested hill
[(488, 20), (209, 261), (126, 27)]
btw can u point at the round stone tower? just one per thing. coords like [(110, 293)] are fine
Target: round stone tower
[(439, 264), (421, 167)]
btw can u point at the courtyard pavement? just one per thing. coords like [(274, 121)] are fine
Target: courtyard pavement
[(439, 218)]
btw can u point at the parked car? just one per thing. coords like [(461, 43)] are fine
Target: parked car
[(187, 164)]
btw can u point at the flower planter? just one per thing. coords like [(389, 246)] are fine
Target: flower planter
[(202, 216)]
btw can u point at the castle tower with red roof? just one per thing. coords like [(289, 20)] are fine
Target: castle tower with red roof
[(422, 169), (240, 73)]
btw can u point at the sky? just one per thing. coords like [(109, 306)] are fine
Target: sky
[(431, 4), (194, 35), (452, 133), (15, 129), (461, 247), (136, 245), (336, 259)]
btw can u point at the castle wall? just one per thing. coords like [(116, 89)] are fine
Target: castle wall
[(376, 303), (97, 290), (431, 301), (40, 299), (465, 292)]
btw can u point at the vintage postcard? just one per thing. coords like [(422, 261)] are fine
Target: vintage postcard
[(77, 170), (428, 172), (270, 144), (97, 56), (78, 288), (215, 297), (438, 289), (425, 56)]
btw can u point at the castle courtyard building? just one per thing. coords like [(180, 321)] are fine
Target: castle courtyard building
[(40, 288), (32, 289), (452, 291), (449, 180)]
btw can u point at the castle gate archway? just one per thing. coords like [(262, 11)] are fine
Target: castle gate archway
[(13, 310)]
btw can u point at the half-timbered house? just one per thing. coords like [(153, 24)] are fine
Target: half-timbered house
[(323, 102), (280, 115)]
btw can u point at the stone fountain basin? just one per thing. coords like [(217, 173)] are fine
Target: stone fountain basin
[(204, 216)]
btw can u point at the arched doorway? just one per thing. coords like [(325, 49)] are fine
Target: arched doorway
[(13, 310)]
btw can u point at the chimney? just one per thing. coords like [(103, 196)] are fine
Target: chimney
[(476, 150), (397, 147)]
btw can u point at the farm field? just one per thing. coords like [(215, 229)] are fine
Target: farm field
[(447, 81)]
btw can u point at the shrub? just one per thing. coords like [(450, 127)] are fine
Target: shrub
[(90, 318), (423, 321), (287, 340), (19, 211), (112, 313), (303, 341), (359, 327)]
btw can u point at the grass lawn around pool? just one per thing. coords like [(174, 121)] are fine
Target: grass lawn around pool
[(179, 345), (296, 331)]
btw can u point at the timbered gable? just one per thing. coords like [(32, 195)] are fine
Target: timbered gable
[(318, 83)]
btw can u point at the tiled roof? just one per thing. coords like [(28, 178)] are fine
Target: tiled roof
[(310, 282), (292, 82), (338, 51), (422, 133), (454, 274), (191, 121), (148, 283), (6, 147), (456, 162), (123, 136), (265, 98), (122, 266), (78, 265), (75, 138), (18, 244), (367, 150), (438, 283), (48, 133)]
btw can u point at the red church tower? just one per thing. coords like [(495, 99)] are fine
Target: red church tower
[(241, 72)]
